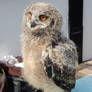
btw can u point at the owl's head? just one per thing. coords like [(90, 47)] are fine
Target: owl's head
[(42, 17)]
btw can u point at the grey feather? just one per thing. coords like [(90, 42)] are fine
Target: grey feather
[(61, 64)]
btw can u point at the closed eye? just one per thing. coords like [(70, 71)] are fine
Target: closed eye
[(29, 14)]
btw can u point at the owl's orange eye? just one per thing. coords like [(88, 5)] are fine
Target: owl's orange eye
[(43, 17)]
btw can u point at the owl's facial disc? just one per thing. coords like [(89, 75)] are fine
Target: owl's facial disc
[(40, 20), (41, 17), (37, 22)]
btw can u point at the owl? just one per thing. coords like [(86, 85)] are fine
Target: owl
[(50, 59)]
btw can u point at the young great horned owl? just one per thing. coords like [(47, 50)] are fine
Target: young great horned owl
[(50, 59)]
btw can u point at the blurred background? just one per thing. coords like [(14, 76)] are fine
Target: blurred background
[(11, 12)]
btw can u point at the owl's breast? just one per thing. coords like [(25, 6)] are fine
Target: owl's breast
[(34, 69)]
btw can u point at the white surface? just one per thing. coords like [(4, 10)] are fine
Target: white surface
[(20, 65), (87, 32), (11, 12), (9, 59)]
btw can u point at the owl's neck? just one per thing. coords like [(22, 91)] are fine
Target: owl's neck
[(42, 36)]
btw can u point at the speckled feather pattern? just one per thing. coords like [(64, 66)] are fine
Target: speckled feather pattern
[(60, 64), (50, 59)]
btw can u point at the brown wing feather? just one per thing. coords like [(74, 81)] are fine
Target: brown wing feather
[(60, 65)]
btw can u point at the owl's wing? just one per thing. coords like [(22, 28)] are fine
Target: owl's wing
[(60, 64)]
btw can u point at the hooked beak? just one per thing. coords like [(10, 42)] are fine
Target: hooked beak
[(33, 24)]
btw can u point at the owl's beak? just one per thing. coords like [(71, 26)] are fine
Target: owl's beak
[(33, 24)]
